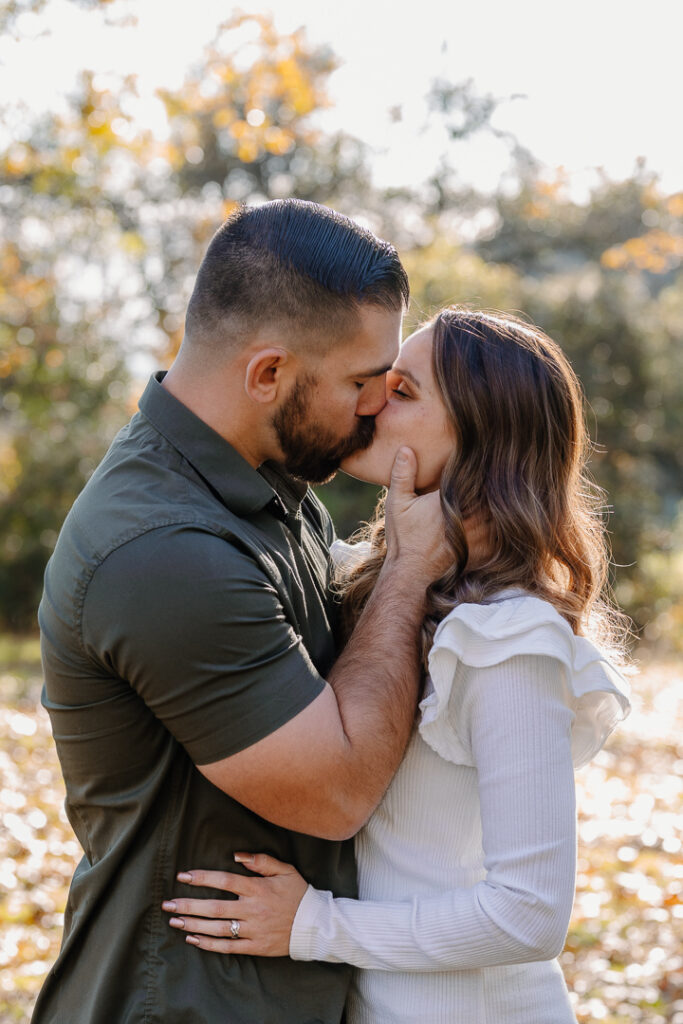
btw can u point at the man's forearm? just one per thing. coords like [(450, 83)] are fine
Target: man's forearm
[(325, 770), (376, 681)]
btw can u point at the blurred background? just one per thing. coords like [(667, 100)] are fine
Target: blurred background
[(518, 160)]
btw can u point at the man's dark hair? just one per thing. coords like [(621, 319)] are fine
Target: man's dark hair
[(294, 264)]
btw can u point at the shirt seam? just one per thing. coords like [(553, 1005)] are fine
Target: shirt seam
[(155, 917)]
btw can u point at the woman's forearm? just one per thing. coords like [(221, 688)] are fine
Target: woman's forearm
[(450, 931)]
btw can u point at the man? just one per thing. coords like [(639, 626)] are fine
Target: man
[(187, 629)]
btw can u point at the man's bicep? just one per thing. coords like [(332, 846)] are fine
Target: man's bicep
[(292, 776), (198, 630)]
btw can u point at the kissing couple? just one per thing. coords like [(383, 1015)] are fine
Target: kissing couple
[(343, 773)]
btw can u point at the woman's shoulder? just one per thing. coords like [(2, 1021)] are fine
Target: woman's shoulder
[(510, 622), (516, 624)]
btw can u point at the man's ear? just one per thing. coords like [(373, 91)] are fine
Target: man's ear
[(264, 374)]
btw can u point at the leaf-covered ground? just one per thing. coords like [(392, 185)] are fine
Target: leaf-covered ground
[(624, 955)]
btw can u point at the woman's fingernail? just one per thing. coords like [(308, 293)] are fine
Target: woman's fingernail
[(244, 858), (177, 922), (184, 876), (193, 940), (168, 905)]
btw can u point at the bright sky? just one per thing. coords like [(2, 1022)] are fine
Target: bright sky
[(602, 78)]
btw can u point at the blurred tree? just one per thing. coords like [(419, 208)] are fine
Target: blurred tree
[(103, 227), (242, 128), (627, 355), (13, 13), (541, 230), (603, 278), (62, 389)]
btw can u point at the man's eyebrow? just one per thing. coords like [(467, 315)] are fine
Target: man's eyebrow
[(373, 373), (407, 374)]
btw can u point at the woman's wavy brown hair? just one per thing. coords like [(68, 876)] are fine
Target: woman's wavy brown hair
[(519, 462)]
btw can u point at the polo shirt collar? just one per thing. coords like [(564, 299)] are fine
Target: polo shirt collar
[(241, 488)]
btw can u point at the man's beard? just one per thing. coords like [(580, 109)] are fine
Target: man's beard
[(311, 450)]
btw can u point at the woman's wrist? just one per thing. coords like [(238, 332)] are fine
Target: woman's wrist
[(304, 926)]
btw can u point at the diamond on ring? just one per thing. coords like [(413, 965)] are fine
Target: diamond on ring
[(234, 929)]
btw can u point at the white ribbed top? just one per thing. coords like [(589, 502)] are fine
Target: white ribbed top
[(466, 869)]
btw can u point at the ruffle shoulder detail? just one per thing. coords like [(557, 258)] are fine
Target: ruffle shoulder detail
[(482, 635)]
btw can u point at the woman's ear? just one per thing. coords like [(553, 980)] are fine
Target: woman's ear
[(265, 372)]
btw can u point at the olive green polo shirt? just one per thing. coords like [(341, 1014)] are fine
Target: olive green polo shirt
[(185, 616)]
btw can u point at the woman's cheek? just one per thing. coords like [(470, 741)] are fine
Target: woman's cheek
[(410, 427), (400, 422)]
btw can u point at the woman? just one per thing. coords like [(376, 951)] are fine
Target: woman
[(466, 869)]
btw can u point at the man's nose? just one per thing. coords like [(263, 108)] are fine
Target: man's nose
[(373, 397)]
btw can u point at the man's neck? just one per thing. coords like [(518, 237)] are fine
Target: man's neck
[(221, 410)]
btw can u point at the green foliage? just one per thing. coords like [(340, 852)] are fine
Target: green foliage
[(103, 228), (595, 277), (349, 501), (625, 354), (62, 392)]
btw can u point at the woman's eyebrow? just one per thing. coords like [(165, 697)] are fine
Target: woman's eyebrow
[(407, 374)]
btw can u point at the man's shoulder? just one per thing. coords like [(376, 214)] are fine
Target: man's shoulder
[(142, 485), (172, 566), (199, 540), (144, 505)]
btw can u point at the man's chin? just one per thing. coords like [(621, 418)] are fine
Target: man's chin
[(314, 479), (311, 470), (309, 458), (322, 468), (327, 480)]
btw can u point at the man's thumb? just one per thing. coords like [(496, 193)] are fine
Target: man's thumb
[(404, 471)]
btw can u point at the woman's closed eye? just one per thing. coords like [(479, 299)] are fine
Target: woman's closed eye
[(396, 385)]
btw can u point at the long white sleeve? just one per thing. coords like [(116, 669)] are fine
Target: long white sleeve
[(515, 718)]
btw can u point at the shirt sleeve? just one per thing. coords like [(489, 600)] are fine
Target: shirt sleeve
[(196, 627), (519, 725)]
